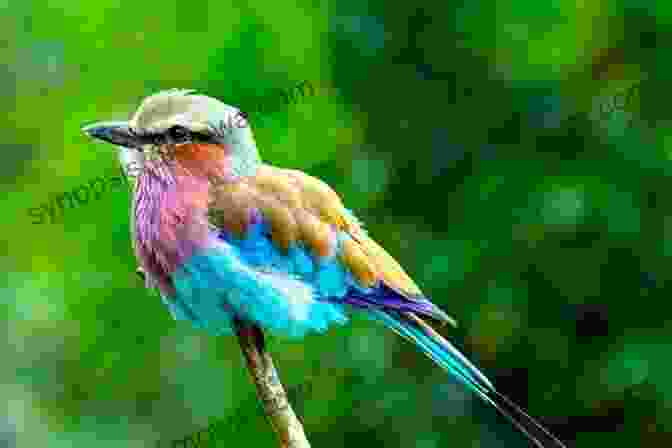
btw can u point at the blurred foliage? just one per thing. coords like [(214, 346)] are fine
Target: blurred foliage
[(472, 140)]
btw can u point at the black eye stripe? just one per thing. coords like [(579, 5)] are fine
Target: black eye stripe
[(178, 133), (153, 139), (176, 136)]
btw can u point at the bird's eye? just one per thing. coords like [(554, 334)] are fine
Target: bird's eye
[(178, 134), (155, 139)]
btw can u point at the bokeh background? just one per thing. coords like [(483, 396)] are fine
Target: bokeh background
[(479, 141)]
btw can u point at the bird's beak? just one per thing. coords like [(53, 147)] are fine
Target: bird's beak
[(115, 132)]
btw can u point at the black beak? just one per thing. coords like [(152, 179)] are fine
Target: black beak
[(115, 132)]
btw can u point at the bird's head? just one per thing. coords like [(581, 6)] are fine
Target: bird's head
[(178, 126)]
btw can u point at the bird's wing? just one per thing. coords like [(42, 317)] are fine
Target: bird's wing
[(302, 209)]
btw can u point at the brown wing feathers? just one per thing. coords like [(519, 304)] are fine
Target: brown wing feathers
[(302, 208)]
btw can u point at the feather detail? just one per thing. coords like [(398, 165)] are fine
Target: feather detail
[(390, 271), (322, 198), (359, 264), (316, 234), (323, 203), (300, 209), (317, 197), (284, 229), (202, 160), (232, 207), (217, 284), (271, 181)]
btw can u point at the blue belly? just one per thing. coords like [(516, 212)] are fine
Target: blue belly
[(285, 293)]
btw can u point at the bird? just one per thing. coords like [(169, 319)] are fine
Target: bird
[(225, 236)]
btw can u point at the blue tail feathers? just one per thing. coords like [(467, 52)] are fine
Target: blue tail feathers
[(449, 357)]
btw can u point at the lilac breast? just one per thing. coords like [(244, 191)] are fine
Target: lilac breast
[(170, 215)]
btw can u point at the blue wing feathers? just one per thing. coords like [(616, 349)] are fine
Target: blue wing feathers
[(287, 293), (252, 279)]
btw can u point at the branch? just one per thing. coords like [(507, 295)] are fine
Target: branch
[(269, 388)]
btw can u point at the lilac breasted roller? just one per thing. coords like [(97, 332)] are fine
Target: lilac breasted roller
[(225, 237)]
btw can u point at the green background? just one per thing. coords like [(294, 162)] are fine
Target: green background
[(478, 141)]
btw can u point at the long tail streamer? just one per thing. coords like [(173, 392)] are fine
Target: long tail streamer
[(442, 352)]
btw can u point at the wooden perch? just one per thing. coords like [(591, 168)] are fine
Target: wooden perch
[(269, 388)]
